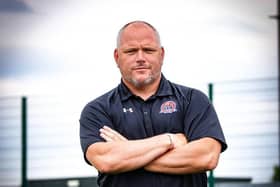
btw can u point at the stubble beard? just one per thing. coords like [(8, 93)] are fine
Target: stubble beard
[(140, 84)]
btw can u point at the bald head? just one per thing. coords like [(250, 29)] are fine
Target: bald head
[(137, 25)]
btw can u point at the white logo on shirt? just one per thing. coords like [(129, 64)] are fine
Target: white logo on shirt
[(125, 110)]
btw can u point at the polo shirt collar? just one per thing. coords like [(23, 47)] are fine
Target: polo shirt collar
[(163, 90)]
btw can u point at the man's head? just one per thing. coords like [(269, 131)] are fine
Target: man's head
[(135, 22), (139, 54)]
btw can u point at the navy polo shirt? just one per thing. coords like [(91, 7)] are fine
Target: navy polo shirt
[(173, 109)]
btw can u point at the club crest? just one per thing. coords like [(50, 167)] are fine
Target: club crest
[(168, 107)]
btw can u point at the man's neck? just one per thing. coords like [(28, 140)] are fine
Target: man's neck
[(145, 91)]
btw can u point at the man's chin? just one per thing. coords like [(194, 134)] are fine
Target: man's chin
[(140, 82)]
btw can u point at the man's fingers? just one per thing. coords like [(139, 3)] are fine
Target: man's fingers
[(105, 137), (115, 133), (111, 135)]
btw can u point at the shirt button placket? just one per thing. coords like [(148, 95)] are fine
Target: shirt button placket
[(147, 119)]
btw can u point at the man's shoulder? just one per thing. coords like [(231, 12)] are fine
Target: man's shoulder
[(187, 92), (104, 99), (181, 90)]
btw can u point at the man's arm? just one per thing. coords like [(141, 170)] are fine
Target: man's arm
[(118, 154), (196, 156)]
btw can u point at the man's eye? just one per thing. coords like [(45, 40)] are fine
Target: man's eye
[(130, 51), (149, 51)]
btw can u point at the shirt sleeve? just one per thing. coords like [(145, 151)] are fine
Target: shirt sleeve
[(201, 119), (93, 117)]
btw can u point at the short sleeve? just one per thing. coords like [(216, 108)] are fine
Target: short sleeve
[(201, 119), (93, 117)]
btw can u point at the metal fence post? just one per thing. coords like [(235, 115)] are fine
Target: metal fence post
[(211, 179), (276, 17), (24, 182)]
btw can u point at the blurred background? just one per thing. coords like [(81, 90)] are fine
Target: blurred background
[(57, 55)]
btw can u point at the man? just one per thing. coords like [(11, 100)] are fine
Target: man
[(148, 131)]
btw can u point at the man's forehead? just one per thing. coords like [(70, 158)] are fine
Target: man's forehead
[(142, 43), (139, 42), (139, 25), (135, 29), (136, 35)]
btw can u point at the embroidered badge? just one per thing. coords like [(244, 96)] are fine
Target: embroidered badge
[(168, 107)]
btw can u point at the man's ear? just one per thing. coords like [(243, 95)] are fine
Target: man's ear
[(162, 52), (116, 56)]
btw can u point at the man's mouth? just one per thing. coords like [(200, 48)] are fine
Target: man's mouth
[(140, 68)]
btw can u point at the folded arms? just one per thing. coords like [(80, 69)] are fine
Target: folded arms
[(165, 153)]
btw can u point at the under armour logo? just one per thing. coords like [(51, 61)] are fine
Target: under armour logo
[(125, 110)]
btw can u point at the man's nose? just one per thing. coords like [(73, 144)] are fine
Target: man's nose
[(140, 56)]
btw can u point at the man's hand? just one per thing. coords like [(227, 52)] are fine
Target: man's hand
[(179, 140), (110, 135)]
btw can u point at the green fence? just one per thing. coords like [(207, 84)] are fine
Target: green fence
[(40, 143)]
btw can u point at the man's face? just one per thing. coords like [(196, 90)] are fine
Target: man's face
[(139, 55)]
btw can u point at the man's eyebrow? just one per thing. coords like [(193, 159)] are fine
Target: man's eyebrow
[(129, 48), (149, 47)]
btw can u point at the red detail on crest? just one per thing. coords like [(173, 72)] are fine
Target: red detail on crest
[(168, 107)]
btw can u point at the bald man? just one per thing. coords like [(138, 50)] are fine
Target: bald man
[(149, 131)]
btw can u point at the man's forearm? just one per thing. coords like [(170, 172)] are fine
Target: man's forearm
[(181, 157), (120, 156), (196, 156)]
